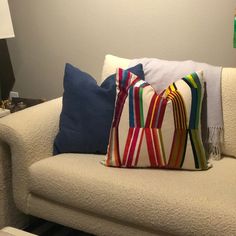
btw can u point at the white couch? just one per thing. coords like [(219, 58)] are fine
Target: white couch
[(77, 191)]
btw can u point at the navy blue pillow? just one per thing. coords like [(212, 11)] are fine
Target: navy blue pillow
[(87, 112)]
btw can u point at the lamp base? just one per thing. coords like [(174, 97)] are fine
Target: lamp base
[(4, 112)]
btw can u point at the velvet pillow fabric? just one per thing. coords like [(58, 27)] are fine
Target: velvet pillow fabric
[(87, 112)]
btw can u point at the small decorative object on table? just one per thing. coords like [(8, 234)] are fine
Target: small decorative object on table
[(3, 110), (18, 104)]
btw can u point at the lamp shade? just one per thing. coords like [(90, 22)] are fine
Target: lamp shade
[(6, 28)]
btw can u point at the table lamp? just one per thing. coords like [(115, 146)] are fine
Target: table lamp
[(7, 78)]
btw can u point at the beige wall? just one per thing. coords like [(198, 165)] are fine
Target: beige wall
[(52, 32)]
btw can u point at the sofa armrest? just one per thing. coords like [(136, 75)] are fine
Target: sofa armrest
[(30, 134), (9, 214), (229, 111)]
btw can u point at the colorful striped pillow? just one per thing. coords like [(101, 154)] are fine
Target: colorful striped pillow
[(158, 131)]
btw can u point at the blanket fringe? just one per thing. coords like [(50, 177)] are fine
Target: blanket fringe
[(215, 142)]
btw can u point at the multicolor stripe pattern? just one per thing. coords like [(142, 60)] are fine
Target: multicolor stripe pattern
[(157, 130)]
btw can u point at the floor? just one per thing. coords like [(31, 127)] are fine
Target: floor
[(45, 228)]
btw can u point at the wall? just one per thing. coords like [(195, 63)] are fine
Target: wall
[(52, 32)]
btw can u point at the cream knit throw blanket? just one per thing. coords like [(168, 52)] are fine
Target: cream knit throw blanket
[(160, 73)]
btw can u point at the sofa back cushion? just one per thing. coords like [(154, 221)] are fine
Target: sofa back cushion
[(229, 111)]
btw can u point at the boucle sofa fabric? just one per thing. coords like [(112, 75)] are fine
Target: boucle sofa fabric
[(155, 199), (85, 220), (9, 214), (229, 110), (30, 134)]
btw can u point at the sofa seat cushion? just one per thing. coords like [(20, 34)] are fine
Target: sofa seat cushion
[(182, 202)]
